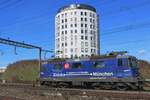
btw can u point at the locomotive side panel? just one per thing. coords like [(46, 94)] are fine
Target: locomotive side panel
[(112, 72)]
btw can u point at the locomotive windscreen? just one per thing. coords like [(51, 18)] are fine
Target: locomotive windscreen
[(133, 62)]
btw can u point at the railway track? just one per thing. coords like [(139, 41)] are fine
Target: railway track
[(9, 98), (111, 95)]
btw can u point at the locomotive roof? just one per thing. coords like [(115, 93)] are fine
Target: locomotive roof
[(89, 58)]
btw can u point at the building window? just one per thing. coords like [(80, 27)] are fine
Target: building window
[(71, 25), (62, 15), (71, 31), (58, 28), (86, 32), (71, 50), (91, 20), (86, 43), (76, 49), (91, 26), (93, 15), (75, 37), (91, 50), (85, 13), (86, 49), (66, 56), (58, 34), (65, 44), (85, 19), (65, 26), (86, 38), (62, 32), (94, 50), (65, 50), (62, 44), (62, 26), (90, 14), (94, 32), (82, 49), (75, 25), (71, 56), (65, 37), (81, 25), (81, 31), (75, 31), (91, 38), (75, 13), (82, 44), (71, 37), (81, 19), (75, 19), (82, 37), (62, 38), (65, 20), (91, 32), (62, 21), (81, 13), (65, 32), (57, 45), (85, 25), (71, 43)]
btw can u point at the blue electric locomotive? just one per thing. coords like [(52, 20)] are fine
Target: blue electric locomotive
[(109, 72)]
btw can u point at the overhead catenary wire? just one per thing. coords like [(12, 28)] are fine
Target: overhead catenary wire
[(12, 3), (127, 8), (125, 28), (120, 29), (40, 15), (127, 42), (4, 2)]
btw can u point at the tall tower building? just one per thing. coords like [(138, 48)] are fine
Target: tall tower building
[(76, 31)]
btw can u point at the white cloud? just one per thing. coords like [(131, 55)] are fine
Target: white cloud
[(142, 52)]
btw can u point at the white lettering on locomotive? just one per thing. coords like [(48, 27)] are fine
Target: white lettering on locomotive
[(103, 74)]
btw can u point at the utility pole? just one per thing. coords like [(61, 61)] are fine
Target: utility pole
[(24, 45)]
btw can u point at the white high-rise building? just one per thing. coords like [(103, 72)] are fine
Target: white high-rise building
[(76, 31)]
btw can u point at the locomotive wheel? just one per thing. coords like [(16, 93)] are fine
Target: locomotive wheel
[(62, 85), (121, 87), (98, 88), (42, 83)]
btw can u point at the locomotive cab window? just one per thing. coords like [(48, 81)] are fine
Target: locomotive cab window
[(120, 62), (133, 62), (44, 69), (77, 65), (99, 64), (57, 67)]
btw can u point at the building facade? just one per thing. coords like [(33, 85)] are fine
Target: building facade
[(76, 31)]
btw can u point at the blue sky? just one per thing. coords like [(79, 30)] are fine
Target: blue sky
[(124, 25)]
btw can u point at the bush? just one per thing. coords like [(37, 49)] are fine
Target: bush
[(26, 70)]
